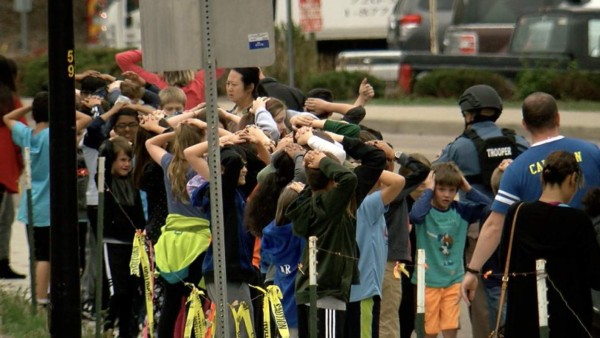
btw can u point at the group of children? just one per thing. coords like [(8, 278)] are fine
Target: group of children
[(286, 176)]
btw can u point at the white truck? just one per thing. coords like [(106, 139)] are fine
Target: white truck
[(344, 24)]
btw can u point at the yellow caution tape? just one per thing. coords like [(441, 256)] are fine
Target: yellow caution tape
[(272, 302), (242, 313), (195, 316), (139, 256), (400, 268)]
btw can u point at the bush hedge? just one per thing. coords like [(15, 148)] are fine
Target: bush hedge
[(571, 85), (451, 83), (34, 72), (344, 85)]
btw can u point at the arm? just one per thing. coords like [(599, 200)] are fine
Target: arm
[(264, 120), (317, 143), (151, 98), (419, 172), (141, 108), (155, 145), (421, 207), (81, 121), (195, 154), (337, 127), (336, 200), (365, 93), (313, 104), (255, 135), (391, 185), (488, 241), (372, 163), (14, 116), (423, 204), (195, 157), (128, 61)]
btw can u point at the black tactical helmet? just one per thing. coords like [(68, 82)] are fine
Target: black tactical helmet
[(478, 97)]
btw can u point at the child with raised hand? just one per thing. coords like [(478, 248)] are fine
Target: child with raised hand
[(441, 229), (282, 249), (185, 224), (325, 210)]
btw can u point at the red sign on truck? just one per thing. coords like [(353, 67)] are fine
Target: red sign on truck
[(310, 15)]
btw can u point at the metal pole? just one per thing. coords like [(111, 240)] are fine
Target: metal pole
[(214, 159), (290, 44), (99, 246), (312, 282), (30, 238), (65, 306), (24, 32), (420, 317), (542, 294), (433, 27)]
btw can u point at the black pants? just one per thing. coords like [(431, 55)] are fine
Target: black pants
[(330, 323), (123, 286), (354, 319), (174, 296)]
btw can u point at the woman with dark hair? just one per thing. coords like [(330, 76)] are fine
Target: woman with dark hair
[(241, 88), (564, 236), (10, 166)]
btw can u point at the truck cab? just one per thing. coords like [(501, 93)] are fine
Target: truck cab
[(486, 26)]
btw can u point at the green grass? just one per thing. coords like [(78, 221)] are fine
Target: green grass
[(17, 319)]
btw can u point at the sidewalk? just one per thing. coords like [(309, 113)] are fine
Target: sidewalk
[(447, 120)]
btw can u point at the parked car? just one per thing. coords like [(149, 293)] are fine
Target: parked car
[(553, 39), (409, 24), (485, 26), (383, 64)]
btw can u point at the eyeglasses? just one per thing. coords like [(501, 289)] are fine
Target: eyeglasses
[(123, 126)]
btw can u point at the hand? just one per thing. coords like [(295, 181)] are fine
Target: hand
[(197, 123), (259, 103), (303, 134), (468, 287), (296, 186), (119, 105), (89, 72), (134, 77), (231, 139), (149, 122), (293, 150), (430, 180), (504, 164), (91, 101), (389, 152), (365, 90), (300, 121), (465, 186), (314, 104), (107, 77), (284, 142), (158, 114), (313, 158)]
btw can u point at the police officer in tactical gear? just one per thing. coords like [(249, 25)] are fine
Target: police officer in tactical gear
[(482, 145)]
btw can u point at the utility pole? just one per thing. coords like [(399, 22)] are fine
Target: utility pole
[(65, 303), (23, 7)]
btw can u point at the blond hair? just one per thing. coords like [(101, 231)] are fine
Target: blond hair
[(179, 78), (172, 94)]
